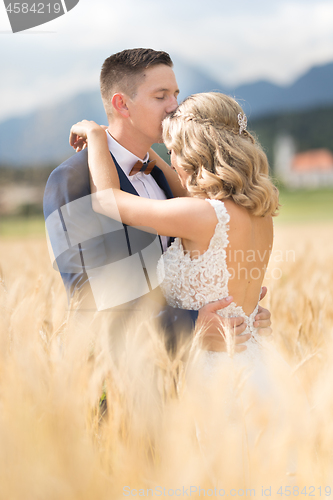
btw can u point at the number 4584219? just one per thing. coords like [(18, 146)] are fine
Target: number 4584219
[(36, 8), (310, 491)]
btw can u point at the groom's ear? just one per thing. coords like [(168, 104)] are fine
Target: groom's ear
[(119, 104)]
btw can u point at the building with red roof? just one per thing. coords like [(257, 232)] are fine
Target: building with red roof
[(309, 169)]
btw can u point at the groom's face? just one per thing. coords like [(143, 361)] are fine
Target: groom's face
[(156, 97)]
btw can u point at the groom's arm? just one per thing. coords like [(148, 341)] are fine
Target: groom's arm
[(211, 326), (72, 226), (181, 322)]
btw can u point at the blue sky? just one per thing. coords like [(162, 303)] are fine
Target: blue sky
[(235, 42)]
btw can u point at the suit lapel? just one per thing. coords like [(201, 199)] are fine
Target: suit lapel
[(163, 183), (156, 173), (127, 186), (159, 177)]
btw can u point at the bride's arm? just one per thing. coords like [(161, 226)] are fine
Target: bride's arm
[(170, 175), (103, 173), (190, 218)]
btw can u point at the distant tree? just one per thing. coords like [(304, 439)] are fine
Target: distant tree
[(310, 129)]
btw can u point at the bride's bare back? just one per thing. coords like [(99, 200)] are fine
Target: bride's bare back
[(247, 254)]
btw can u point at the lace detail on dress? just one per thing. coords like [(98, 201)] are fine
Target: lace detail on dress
[(192, 283)]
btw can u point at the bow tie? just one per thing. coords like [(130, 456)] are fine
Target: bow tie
[(145, 167)]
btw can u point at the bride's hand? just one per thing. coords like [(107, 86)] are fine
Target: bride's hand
[(79, 133)]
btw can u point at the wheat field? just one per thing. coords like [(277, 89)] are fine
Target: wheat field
[(163, 434)]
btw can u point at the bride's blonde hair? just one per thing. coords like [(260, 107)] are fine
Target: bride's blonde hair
[(204, 134)]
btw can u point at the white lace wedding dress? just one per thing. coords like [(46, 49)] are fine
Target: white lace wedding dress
[(191, 284), (246, 376)]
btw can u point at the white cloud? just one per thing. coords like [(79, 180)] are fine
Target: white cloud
[(235, 42), (252, 44)]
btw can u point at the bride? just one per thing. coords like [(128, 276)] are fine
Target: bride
[(222, 225)]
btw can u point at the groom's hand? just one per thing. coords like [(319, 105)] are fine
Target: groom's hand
[(210, 327), (263, 318)]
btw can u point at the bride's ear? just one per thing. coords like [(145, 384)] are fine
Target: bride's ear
[(119, 104)]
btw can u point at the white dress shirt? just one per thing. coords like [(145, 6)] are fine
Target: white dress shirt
[(145, 185)]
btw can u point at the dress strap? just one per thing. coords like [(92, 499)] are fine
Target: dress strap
[(220, 210), (220, 237)]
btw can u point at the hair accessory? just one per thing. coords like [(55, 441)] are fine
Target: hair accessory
[(242, 122)]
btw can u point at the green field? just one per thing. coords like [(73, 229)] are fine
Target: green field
[(305, 205), (22, 226), (299, 206)]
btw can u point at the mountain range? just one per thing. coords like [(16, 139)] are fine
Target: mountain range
[(41, 138)]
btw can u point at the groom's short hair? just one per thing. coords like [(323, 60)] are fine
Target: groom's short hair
[(124, 71)]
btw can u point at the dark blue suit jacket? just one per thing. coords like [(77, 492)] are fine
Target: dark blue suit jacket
[(84, 241)]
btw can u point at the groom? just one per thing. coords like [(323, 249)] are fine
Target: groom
[(112, 265)]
